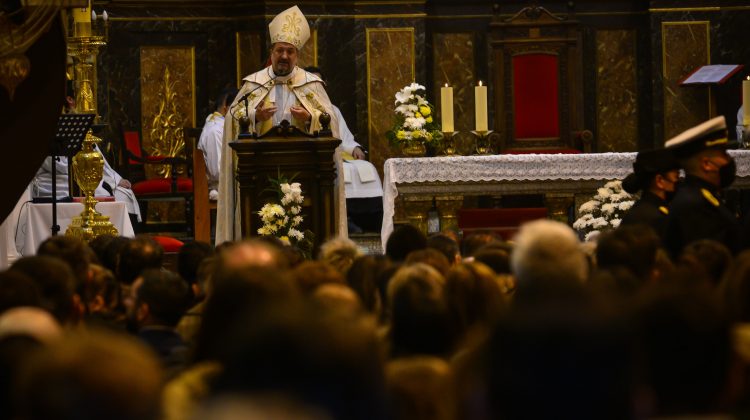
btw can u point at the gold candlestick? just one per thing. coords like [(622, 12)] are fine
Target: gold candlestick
[(449, 143), (89, 36), (83, 47), (482, 142)]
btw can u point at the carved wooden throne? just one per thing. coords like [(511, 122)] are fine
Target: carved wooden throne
[(537, 66)]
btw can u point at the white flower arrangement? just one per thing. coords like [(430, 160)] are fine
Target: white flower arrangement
[(414, 118), (604, 211), (283, 220)]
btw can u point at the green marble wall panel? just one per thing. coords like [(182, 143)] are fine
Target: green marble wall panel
[(454, 63), (390, 67), (616, 91), (685, 47)]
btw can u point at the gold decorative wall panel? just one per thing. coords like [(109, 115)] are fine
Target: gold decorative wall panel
[(616, 90), (308, 55), (251, 54), (453, 63), (167, 107), (685, 47), (390, 67)]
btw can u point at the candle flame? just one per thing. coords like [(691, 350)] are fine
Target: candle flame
[(480, 83), (446, 85), (748, 77)]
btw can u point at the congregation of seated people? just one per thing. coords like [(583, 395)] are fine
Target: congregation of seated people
[(438, 327)]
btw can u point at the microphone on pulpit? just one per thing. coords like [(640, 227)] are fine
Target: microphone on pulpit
[(247, 95)]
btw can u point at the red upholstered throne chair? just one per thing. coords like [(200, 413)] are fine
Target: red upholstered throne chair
[(538, 78), (175, 187)]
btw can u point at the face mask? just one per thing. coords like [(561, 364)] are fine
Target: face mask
[(727, 173)]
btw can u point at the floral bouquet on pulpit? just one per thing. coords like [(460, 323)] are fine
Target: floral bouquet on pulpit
[(604, 211), (284, 219), (415, 127)]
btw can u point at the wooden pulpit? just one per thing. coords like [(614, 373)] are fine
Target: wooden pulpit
[(286, 151)]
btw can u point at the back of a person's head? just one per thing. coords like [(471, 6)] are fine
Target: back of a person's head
[(111, 253), (17, 289), (55, 281), (472, 243), (99, 246), (363, 279), (495, 255), (473, 295), (419, 322), (323, 360), (421, 388), (31, 322), (573, 355), (311, 274), (340, 253), (633, 247), (735, 289), (102, 292), (403, 240), (686, 347), (446, 245), (546, 250), (189, 258), (74, 251), (709, 256), (91, 376), (257, 252), (15, 352), (137, 255), (431, 257), (337, 298), (166, 295), (237, 292)]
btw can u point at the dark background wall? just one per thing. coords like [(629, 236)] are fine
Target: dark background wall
[(630, 100)]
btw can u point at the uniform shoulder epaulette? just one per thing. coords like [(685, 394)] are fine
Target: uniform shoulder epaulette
[(710, 197)]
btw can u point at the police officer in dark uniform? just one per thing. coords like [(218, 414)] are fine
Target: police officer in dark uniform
[(697, 210), (655, 175)]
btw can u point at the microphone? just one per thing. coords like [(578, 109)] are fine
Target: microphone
[(247, 95)]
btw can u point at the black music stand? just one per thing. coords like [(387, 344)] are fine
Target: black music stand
[(71, 131)]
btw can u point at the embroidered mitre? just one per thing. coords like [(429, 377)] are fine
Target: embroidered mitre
[(290, 26)]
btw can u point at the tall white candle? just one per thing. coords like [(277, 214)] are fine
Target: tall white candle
[(480, 101), (446, 108), (746, 101)]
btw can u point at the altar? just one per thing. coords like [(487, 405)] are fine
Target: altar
[(563, 179)]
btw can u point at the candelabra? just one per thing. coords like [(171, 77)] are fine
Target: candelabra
[(83, 46), (449, 143), (482, 142)]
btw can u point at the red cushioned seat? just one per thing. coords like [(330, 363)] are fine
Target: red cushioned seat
[(504, 222), (161, 186), (168, 243)]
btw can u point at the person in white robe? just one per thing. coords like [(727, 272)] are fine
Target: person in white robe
[(211, 141), (361, 179), (279, 92)]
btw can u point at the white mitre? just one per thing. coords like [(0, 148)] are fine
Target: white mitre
[(290, 26)]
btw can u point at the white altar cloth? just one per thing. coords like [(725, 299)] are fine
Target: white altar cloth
[(535, 169), (36, 220)]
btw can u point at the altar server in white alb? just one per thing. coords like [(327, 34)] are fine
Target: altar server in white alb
[(211, 141), (279, 92)]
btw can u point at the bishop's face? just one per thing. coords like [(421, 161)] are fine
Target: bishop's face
[(283, 58)]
